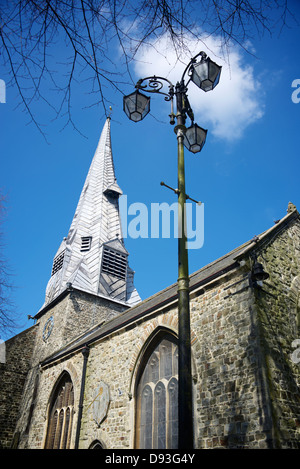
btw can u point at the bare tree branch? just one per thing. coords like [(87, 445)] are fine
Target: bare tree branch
[(89, 32)]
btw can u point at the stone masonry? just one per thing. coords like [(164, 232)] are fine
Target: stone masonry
[(73, 314), (13, 373)]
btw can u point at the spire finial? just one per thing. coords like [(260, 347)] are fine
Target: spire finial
[(110, 112)]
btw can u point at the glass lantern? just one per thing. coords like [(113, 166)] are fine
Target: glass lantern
[(136, 106), (206, 74), (194, 138)]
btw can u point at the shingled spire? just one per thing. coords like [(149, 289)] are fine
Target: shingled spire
[(93, 257)]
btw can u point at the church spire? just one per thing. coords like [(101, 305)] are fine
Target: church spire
[(93, 257)]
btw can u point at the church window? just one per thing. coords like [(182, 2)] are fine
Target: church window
[(61, 415), (58, 262), (86, 242), (157, 396), (96, 445), (114, 263)]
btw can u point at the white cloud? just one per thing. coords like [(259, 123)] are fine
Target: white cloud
[(227, 110)]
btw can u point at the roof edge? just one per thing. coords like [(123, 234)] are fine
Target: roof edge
[(274, 230), (70, 289)]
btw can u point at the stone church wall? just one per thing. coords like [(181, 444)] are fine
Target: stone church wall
[(47, 378), (230, 408), (114, 361), (226, 367), (13, 372), (278, 312), (246, 384), (73, 315)]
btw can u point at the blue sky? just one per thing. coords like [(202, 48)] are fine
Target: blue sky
[(246, 174)]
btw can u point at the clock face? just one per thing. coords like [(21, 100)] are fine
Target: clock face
[(48, 328)]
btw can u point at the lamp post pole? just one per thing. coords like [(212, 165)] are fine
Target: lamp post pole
[(186, 434), (205, 75), (185, 417)]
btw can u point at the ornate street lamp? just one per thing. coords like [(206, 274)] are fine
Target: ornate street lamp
[(205, 74)]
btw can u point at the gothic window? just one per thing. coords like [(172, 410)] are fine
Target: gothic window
[(157, 396), (96, 445), (61, 415)]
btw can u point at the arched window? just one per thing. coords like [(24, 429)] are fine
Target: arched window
[(61, 415), (96, 445), (157, 395)]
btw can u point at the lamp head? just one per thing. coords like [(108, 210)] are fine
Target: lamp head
[(194, 138), (206, 73), (136, 106)]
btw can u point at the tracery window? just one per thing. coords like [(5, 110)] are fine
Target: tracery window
[(61, 415), (157, 396)]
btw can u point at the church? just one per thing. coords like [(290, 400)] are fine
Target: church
[(98, 369)]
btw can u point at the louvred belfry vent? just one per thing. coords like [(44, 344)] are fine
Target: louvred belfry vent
[(114, 263), (86, 242), (58, 263)]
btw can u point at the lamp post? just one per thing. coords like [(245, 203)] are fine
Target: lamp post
[(205, 74)]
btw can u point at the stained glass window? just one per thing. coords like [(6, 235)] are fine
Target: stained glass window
[(157, 396)]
